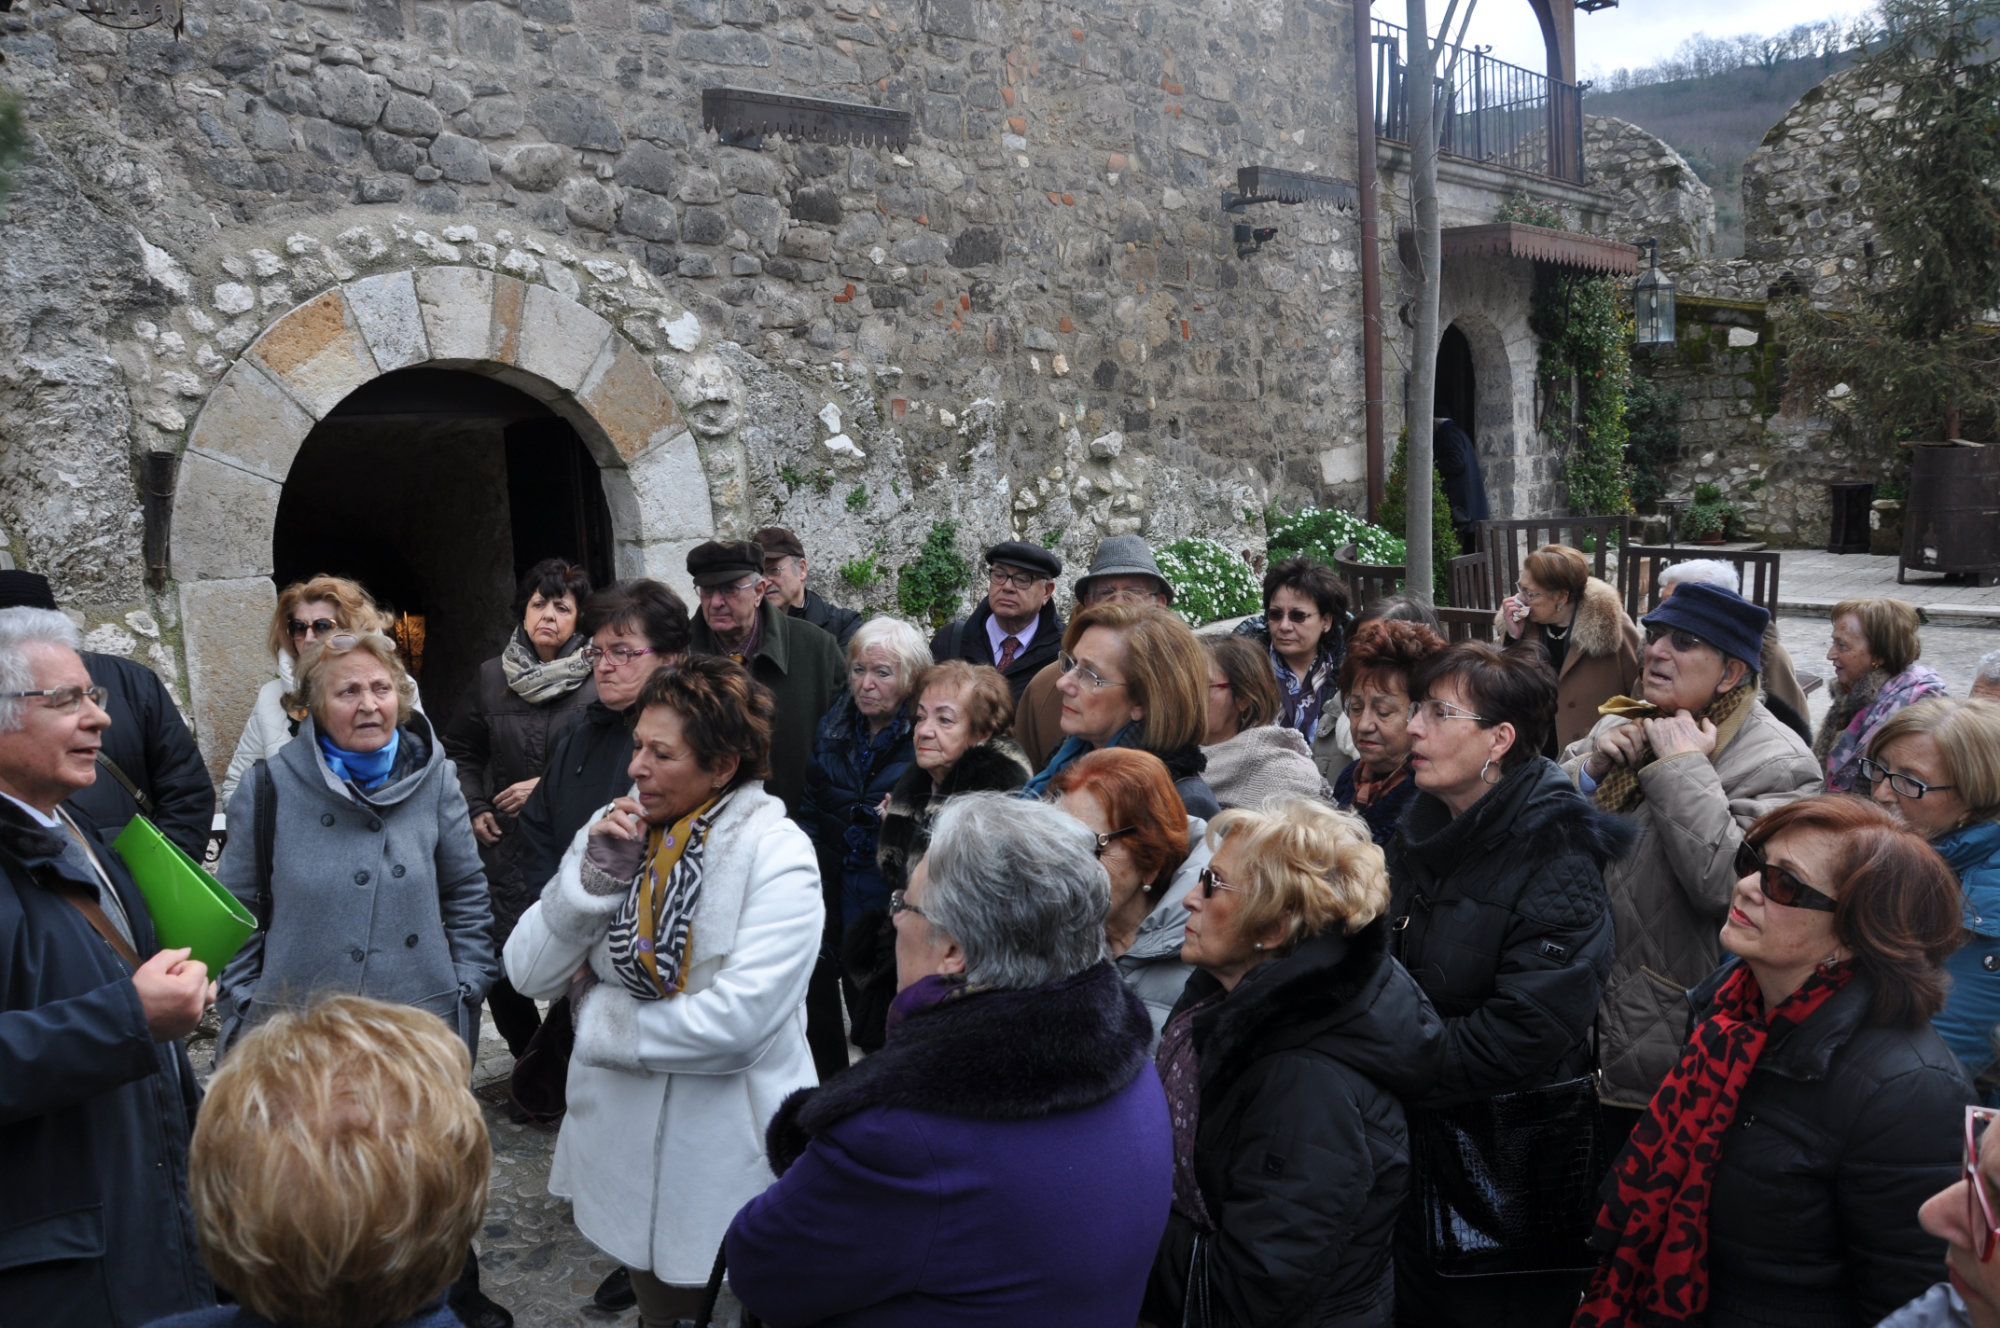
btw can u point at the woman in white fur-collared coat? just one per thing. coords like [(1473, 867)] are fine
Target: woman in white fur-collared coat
[(686, 917)]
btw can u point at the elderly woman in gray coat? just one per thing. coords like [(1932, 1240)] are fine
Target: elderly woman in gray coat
[(353, 849)]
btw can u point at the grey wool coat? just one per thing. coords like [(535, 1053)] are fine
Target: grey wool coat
[(377, 894)]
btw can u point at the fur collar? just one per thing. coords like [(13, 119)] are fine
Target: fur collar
[(1599, 628), (1288, 1002), (987, 1055), (997, 765)]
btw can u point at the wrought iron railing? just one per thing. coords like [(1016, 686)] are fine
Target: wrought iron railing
[(1492, 111)]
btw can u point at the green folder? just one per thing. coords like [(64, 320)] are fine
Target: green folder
[(189, 907)]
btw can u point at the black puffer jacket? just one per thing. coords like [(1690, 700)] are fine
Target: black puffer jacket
[(1505, 925), (1843, 1132), (497, 739), (585, 771), (1300, 1151)]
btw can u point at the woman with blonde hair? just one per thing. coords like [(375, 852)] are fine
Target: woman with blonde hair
[(1297, 1025), (338, 1171), (1134, 676), (307, 611), (1580, 627), (1875, 673), (1936, 766)]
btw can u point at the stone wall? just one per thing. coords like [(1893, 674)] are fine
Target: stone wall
[(1031, 320)]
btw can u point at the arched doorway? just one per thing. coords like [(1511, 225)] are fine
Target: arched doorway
[(436, 489), (1457, 389)]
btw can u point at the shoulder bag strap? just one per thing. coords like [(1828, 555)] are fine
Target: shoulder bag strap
[(79, 898), (125, 782)]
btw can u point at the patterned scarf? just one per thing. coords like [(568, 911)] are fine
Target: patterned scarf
[(538, 683), (1304, 698), (652, 936), (1369, 791), (1620, 790), (1180, 1074), (1655, 1227)]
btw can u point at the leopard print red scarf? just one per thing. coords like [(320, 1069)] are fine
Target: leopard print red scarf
[(1655, 1227)]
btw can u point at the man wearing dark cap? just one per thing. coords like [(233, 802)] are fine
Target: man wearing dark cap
[(1693, 764), (1123, 571), (801, 664), (785, 575), (1015, 628), (149, 761)]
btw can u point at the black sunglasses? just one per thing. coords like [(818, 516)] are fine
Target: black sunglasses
[(1104, 841), (1683, 641), (318, 627), (1210, 883), (1780, 886)]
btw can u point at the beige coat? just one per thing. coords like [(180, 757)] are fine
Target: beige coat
[(1669, 896), (1603, 659)]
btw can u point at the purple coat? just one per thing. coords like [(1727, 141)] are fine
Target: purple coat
[(1004, 1160)]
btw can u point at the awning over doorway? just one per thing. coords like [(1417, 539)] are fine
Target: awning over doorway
[(1571, 250)]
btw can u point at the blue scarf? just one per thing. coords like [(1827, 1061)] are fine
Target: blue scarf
[(1072, 749), (366, 770)]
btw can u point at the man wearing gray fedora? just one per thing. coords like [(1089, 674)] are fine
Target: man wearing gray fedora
[(1122, 570)]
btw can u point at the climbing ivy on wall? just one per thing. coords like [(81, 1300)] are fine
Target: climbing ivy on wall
[(1585, 327)]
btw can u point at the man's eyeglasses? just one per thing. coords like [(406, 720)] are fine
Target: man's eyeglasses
[(1979, 1203), (899, 903), (1210, 883), (1012, 576), (1104, 840), (64, 699), (318, 627), (1437, 712), (1682, 641), (620, 655), (725, 592), (1908, 785), (1779, 885), (1069, 663)]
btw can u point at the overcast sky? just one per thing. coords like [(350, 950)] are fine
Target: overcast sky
[(1637, 32)]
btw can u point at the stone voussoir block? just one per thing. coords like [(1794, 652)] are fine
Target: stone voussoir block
[(252, 423), (385, 309), (559, 340), (457, 308), (316, 353), (630, 403), (228, 533)]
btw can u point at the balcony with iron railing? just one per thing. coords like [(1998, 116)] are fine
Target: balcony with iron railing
[(1492, 112)]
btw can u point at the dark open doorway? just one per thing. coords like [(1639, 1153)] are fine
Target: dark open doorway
[(1457, 395), (436, 489)]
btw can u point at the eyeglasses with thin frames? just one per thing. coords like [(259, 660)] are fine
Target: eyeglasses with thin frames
[(620, 655), (1210, 883), (1293, 616), (1525, 595), (1104, 840), (1908, 785), (1979, 1203), (63, 700), (1069, 663), (726, 592), (1437, 712), (899, 903), (1779, 885)]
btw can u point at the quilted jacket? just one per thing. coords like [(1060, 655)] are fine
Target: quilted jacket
[(1669, 897)]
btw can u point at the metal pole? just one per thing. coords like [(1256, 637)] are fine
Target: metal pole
[(1371, 253)]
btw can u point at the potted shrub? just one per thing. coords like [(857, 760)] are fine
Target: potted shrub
[(1708, 517)]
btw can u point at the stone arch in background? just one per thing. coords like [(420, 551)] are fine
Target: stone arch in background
[(307, 361), (1503, 418)]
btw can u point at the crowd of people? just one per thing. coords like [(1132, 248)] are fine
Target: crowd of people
[(1080, 970)]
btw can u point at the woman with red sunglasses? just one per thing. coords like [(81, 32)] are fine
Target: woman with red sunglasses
[(1776, 1176)]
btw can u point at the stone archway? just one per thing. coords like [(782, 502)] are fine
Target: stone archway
[(307, 361), (1489, 307)]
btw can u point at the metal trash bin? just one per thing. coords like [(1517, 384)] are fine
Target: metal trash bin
[(1951, 523), (1850, 503)]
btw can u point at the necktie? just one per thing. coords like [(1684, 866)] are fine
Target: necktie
[(1009, 647)]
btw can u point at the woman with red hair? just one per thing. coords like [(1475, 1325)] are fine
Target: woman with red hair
[(1152, 850), (1777, 1175)]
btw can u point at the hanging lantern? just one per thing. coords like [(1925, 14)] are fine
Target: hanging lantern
[(1653, 301)]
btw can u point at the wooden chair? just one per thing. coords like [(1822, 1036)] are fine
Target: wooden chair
[(1463, 624), (1643, 563), (1509, 543), (1471, 582), (1366, 582)]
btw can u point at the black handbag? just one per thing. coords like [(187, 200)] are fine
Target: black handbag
[(1510, 1184)]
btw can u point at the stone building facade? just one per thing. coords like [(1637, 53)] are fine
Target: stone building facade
[(1030, 320)]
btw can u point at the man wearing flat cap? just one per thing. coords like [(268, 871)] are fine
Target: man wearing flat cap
[(785, 578), (1015, 628), (1693, 763), (1122, 571), (801, 664)]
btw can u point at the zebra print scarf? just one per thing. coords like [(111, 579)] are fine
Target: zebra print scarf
[(652, 935)]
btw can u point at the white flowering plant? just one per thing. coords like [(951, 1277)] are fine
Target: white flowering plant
[(1209, 581), (1317, 533)]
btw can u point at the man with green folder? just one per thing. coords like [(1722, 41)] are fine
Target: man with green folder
[(97, 1096)]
